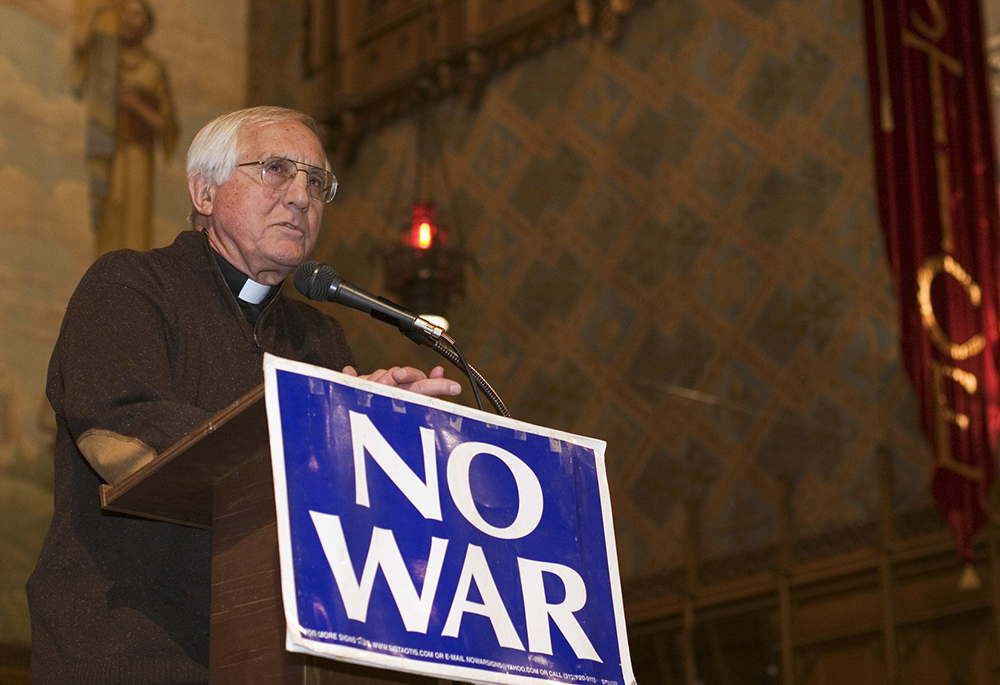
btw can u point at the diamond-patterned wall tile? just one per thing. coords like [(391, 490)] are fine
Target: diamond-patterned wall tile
[(550, 184), (907, 417), (557, 397), (909, 479), (550, 289), (844, 16), (685, 121), (671, 477), (720, 55), (607, 209), (809, 69), (798, 199), (782, 83), (745, 520), (659, 29), (761, 8), (669, 246), (500, 357), (462, 215), (725, 166), (497, 254), (857, 240), (495, 155), (678, 359), (815, 442), (741, 396), (549, 84), (657, 137), (641, 146), (808, 317), (871, 361), (603, 107), (840, 430), (863, 491), (772, 211), (768, 93), (454, 127), (729, 285), (847, 119), (609, 322)]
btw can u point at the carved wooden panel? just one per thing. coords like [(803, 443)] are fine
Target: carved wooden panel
[(383, 46), (492, 19), (366, 61)]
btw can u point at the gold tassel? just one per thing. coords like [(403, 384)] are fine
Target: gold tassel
[(970, 579)]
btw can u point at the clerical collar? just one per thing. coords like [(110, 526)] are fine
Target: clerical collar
[(244, 288)]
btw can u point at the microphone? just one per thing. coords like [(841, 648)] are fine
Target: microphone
[(321, 283)]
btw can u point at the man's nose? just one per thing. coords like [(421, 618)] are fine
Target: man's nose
[(297, 192)]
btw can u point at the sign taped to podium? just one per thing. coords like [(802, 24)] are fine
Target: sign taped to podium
[(423, 536)]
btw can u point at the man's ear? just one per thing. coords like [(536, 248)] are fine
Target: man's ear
[(202, 195)]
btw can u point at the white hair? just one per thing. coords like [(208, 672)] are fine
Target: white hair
[(216, 149)]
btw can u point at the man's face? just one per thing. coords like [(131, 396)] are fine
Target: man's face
[(266, 233)]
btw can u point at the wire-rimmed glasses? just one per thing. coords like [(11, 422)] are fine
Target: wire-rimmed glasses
[(278, 173)]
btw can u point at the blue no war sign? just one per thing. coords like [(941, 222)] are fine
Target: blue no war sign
[(423, 536)]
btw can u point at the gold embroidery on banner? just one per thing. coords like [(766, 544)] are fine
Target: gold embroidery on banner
[(938, 29), (965, 379), (936, 58), (928, 271), (944, 200), (944, 415)]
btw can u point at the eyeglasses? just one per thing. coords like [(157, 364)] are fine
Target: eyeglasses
[(279, 172)]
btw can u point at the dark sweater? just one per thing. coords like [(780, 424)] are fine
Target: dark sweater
[(152, 344)]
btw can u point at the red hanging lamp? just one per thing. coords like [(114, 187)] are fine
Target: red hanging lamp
[(423, 265)]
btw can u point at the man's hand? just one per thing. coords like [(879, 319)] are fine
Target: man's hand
[(414, 380)]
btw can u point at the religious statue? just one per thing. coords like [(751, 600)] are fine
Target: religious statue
[(129, 111)]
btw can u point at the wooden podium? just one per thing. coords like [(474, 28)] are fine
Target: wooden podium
[(219, 477)]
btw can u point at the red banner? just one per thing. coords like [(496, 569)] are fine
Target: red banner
[(938, 206)]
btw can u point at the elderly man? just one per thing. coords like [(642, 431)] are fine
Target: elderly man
[(152, 344)]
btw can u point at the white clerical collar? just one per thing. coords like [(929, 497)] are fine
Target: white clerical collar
[(254, 292)]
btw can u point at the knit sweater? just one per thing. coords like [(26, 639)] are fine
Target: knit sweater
[(152, 344)]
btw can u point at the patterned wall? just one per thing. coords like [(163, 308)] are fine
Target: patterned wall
[(676, 249), (46, 242)]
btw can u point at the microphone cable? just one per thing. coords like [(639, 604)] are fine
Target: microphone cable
[(455, 356)]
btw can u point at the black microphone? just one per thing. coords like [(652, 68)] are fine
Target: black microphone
[(321, 283)]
